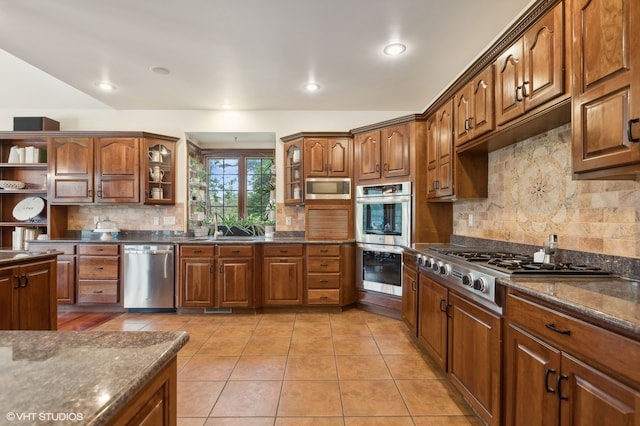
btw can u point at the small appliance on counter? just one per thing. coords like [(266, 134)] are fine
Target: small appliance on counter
[(106, 227)]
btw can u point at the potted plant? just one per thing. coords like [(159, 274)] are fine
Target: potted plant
[(269, 228)]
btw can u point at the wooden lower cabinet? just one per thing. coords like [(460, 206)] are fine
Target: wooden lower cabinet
[(153, 405), (545, 384), (410, 293), (465, 341), (28, 296), (196, 288), (66, 265), (283, 275), (235, 276), (98, 274), (475, 357), (432, 319)]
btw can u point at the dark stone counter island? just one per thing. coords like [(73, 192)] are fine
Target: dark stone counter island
[(89, 378)]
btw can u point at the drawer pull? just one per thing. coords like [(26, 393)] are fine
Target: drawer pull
[(284, 251), (324, 297), (98, 268), (235, 251), (558, 386), (324, 281), (197, 251), (97, 291), (548, 372), (551, 326), (324, 251), (323, 265)]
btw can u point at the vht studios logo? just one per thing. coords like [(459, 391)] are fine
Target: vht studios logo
[(44, 417)]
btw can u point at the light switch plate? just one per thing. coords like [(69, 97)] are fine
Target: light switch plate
[(169, 220)]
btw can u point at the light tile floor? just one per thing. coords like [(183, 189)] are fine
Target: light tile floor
[(352, 368)]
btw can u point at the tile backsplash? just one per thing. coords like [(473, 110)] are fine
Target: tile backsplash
[(128, 218), (532, 195)]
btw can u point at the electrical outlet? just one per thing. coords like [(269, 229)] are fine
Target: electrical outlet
[(470, 220), (288, 220), (169, 220), (156, 221)]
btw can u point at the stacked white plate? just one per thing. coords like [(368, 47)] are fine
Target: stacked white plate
[(11, 184)]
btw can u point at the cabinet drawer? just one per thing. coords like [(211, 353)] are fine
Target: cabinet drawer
[(323, 297), (577, 337), (197, 251), (282, 250), (314, 250), (99, 291), (321, 264), (409, 259), (235, 251), (98, 267), (98, 249), (63, 248), (323, 281)]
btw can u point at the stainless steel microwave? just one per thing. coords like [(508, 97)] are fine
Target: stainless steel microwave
[(327, 189)]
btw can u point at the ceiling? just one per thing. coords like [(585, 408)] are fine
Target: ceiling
[(251, 54)]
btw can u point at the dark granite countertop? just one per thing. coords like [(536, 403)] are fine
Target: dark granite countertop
[(613, 302), (82, 374), (187, 240), (14, 256)]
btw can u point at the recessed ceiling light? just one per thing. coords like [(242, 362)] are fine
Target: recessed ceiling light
[(161, 70), (312, 87), (226, 106), (394, 49), (106, 86)]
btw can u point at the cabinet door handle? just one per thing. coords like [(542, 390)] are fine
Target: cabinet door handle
[(386, 166), (470, 121), (548, 372), (525, 94), (220, 269), (630, 130), (16, 278), (377, 167), (414, 286), (551, 326), (447, 311), (436, 184), (518, 98), (24, 280), (559, 380), (443, 306)]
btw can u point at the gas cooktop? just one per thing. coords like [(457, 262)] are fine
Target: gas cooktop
[(513, 263)]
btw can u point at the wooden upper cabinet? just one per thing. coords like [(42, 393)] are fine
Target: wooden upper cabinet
[(395, 151), (71, 170), (293, 169), (367, 154), (606, 88), (440, 152), (117, 170), (531, 71), (474, 108), (327, 157), (383, 153)]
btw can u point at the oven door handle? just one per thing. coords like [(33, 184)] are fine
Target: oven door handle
[(381, 248), (384, 200)]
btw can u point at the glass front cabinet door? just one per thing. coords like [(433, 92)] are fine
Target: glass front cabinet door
[(159, 169)]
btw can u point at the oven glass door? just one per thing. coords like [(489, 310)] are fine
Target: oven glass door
[(381, 269), (383, 221)]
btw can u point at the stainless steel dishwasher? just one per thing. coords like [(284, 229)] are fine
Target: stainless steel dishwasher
[(149, 276)]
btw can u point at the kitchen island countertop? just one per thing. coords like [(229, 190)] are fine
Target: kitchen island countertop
[(81, 377)]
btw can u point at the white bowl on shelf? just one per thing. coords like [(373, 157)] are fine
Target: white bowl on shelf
[(11, 184)]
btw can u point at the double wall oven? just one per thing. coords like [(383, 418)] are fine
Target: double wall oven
[(383, 227)]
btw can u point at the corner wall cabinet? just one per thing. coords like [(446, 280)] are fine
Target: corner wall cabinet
[(606, 89), (293, 173)]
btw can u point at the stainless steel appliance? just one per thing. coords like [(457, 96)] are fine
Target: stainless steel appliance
[(149, 277), (328, 189), (383, 227), (473, 272), (380, 267), (383, 214)]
